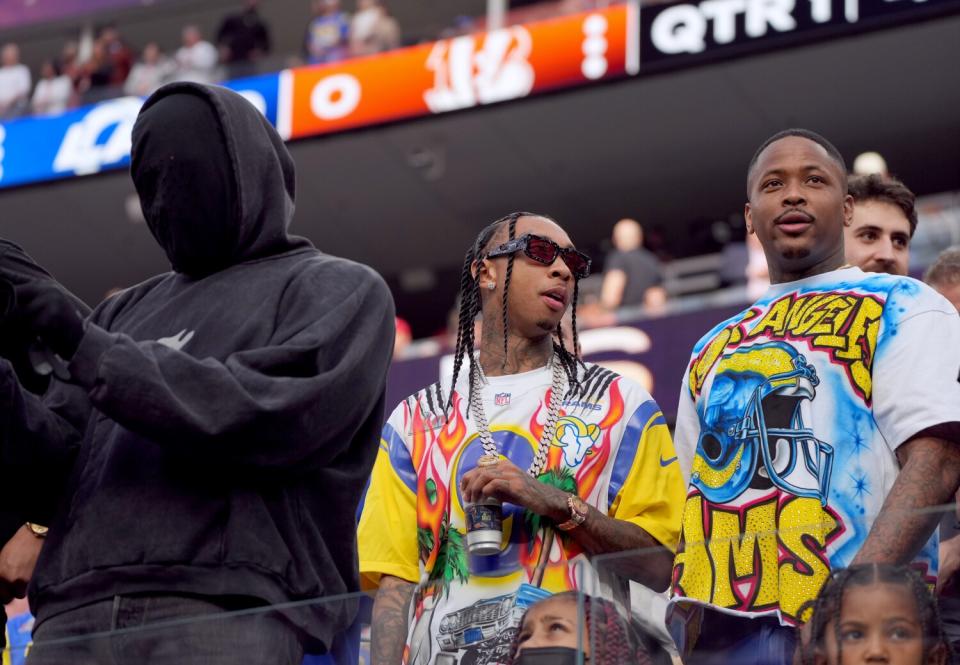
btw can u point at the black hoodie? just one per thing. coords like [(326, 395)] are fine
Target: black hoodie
[(16, 269), (25, 493), (23, 488), (236, 402)]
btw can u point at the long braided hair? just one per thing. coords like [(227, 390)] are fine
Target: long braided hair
[(828, 605), (613, 639), (471, 306)]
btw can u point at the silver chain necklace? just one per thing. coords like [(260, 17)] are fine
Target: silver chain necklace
[(549, 427)]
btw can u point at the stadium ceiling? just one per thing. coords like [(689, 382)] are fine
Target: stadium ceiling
[(667, 149)]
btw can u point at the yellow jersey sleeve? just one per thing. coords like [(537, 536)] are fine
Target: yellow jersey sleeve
[(387, 534), (650, 492)]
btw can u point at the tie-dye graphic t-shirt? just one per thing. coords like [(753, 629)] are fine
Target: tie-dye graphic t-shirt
[(612, 448), (790, 415)]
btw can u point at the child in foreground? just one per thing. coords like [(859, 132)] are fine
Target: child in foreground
[(876, 613), (550, 634)]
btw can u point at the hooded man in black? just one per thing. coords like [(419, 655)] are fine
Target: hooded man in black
[(234, 408)]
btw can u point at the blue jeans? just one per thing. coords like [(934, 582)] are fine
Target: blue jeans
[(189, 631), (728, 640)]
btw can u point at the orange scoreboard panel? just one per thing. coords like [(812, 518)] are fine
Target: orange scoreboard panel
[(460, 73)]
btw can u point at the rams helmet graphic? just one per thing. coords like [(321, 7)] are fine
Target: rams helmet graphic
[(752, 430)]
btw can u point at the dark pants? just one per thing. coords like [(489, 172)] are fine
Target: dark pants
[(188, 631), (950, 617), (729, 640)]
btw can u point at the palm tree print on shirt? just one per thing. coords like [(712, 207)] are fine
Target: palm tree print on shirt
[(564, 481)]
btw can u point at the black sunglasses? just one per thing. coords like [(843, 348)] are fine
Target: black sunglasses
[(545, 251)]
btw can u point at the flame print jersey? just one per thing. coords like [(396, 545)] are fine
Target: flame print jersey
[(612, 448), (789, 418)]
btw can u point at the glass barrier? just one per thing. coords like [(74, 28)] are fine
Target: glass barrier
[(336, 631), (739, 599), (778, 596), (152, 629)]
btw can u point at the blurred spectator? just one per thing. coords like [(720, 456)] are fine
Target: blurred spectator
[(197, 58), (868, 163), (631, 274), (54, 91), (150, 73), (372, 29), (328, 33), (19, 627), (757, 273), (243, 38), (462, 25), (96, 75), (404, 337), (884, 221), (944, 275), (67, 61), (14, 82), (590, 310), (118, 54)]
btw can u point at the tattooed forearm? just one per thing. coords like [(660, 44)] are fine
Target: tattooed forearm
[(389, 625), (602, 534), (930, 476), (599, 534)]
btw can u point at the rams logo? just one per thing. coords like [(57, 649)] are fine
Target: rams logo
[(576, 438)]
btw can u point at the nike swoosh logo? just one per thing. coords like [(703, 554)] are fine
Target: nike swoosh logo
[(667, 462)]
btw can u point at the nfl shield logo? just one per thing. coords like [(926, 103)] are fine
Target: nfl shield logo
[(501, 399)]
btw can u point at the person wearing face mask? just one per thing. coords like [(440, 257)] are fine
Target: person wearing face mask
[(570, 628), (223, 416)]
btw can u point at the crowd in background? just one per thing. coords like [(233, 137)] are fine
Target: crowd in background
[(101, 64), (631, 275), (634, 274)]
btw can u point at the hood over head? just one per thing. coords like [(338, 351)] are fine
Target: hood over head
[(215, 181)]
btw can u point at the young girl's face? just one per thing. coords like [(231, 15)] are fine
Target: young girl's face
[(552, 623), (878, 623)]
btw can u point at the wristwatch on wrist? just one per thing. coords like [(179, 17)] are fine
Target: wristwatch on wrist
[(578, 513), (37, 530)]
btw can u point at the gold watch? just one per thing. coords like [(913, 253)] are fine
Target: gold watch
[(36, 529), (578, 513)]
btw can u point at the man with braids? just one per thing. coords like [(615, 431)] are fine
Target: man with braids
[(876, 613), (818, 428), (580, 457)]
